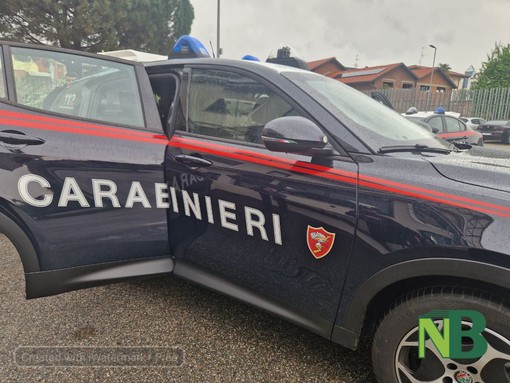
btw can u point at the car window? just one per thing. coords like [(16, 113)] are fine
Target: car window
[(77, 85), (475, 121), (232, 106), (2, 77), (466, 120), (453, 125), (436, 122)]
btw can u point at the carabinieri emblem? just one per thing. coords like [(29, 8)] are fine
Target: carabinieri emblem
[(320, 241)]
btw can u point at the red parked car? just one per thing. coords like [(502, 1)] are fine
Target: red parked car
[(448, 127)]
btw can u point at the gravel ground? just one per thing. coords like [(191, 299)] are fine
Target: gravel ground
[(223, 340)]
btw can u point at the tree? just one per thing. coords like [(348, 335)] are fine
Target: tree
[(97, 25), (495, 72), (445, 68)]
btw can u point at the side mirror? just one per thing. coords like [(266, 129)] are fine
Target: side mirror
[(435, 130), (462, 145), (293, 135)]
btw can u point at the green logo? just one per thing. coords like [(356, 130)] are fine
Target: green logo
[(448, 337)]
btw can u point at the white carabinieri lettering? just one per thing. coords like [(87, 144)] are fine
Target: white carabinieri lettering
[(100, 194), (36, 191), (137, 195), (71, 191), (23, 183)]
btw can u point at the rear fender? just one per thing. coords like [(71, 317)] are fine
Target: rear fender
[(21, 241)]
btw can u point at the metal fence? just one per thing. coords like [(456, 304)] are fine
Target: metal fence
[(485, 103)]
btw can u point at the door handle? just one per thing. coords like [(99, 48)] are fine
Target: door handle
[(192, 162), (18, 138)]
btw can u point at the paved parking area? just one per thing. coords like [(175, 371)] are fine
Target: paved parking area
[(497, 145), (222, 339)]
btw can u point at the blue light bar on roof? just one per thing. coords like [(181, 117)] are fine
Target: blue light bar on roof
[(188, 47), (250, 58)]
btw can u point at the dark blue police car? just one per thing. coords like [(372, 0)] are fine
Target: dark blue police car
[(277, 186)]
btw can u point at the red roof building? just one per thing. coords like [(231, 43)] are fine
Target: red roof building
[(457, 78), (394, 76), (440, 81), (390, 76), (326, 66)]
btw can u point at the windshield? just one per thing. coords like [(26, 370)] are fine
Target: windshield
[(372, 122)]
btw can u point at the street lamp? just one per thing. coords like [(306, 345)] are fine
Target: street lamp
[(429, 94), (433, 63), (218, 48)]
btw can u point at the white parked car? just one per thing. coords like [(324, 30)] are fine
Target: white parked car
[(473, 122)]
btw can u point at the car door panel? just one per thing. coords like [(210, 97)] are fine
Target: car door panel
[(285, 194), (245, 217), (86, 193), (62, 230)]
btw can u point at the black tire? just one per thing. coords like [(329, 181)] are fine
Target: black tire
[(506, 137), (401, 323)]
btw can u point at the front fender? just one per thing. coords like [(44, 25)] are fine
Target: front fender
[(351, 320)]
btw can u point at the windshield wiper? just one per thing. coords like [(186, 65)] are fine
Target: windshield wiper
[(413, 148)]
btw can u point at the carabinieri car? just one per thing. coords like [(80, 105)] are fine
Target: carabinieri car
[(277, 186)]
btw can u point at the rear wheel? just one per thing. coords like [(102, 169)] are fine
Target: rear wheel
[(395, 345)]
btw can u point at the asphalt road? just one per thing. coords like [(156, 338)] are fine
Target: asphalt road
[(497, 145), (222, 340)]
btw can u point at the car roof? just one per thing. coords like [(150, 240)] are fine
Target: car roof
[(413, 117), (425, 114), (242, 64)]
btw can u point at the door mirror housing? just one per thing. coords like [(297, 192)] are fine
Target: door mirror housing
[(293, 135)]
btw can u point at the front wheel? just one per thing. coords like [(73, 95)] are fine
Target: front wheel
[(395, 348)]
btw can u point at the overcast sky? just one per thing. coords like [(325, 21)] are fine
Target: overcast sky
[(377, 31)]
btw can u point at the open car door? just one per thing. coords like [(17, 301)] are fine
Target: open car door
[(82, 188)]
